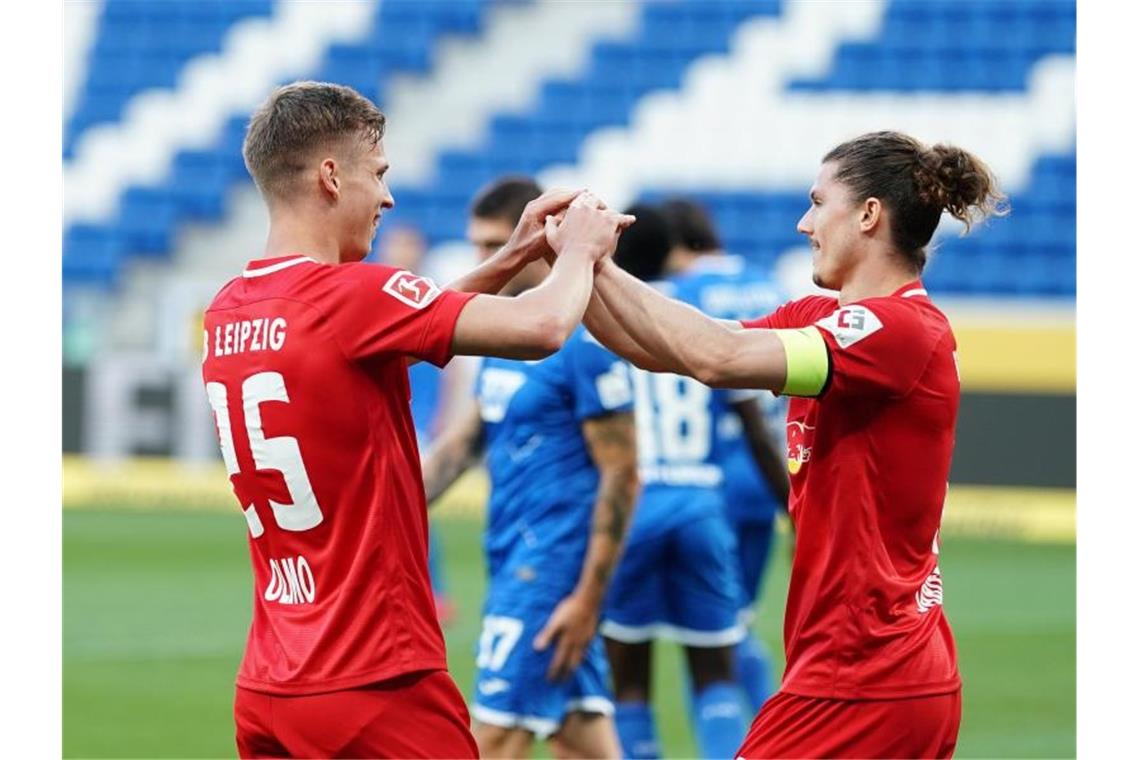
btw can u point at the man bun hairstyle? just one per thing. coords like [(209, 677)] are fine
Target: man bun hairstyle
[(505, 199), (299, 118), (959, 182), (917, 183)]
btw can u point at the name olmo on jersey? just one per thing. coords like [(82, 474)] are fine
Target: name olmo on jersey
[(290, 581)]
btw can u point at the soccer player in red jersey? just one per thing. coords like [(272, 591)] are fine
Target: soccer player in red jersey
[(871, 665), (305, 368)]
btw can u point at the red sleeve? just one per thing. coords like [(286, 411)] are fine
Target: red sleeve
[(877, 348), (799, 313), (378, 310)]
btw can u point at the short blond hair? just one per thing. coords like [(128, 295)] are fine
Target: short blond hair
[(298, 118)]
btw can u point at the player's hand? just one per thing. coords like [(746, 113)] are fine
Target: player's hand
[(571, 626), (589, 200), (587, 226), (528, 239)]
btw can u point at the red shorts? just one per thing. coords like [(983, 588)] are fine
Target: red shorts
[(415, 715), (793, 726)]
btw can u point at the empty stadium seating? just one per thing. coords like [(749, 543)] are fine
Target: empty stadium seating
[(922, 46), (131, 37), (143, 44), (672, 36), (1030, 252), (951, 45)]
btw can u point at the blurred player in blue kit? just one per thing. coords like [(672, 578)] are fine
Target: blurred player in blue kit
[(755, 469), (560, 445), (681, 577)]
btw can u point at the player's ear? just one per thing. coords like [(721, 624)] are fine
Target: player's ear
[(329, 177), (871, 214)]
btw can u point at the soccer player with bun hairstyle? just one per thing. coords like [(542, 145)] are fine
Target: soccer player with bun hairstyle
[(871, 664), (305, 368)]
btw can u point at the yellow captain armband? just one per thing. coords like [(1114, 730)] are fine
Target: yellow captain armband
[(808, 362)]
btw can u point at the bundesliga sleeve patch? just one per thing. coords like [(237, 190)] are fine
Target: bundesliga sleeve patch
[(851, 324), (411, 289)]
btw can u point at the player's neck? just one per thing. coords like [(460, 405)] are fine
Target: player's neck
[(876, 278), (290, 235)]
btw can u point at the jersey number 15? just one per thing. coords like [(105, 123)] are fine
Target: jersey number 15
[(278, 453)]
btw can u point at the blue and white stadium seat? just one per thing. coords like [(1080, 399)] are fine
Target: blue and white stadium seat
[(143, 44), (699, 97)]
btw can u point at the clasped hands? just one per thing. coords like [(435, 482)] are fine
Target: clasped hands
[(568, 220)]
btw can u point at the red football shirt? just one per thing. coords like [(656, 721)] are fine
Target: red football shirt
[(869, 461), (305, 369)]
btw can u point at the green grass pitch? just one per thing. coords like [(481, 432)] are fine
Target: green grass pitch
[(156, 607)]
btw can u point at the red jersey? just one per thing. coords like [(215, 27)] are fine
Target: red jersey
[(869, 461), (305, 369)]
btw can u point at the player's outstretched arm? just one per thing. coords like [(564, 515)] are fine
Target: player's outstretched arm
[(456, 449), (612, 441), (686, 342), (526, 244), (610, 334), (771, 462), (537, 323), (609, 331)]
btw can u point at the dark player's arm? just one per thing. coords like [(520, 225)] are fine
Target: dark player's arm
[(771, 462), (492, 275), (456, 449), (686, 342), (527, 243), (612, 442), (536, 324)]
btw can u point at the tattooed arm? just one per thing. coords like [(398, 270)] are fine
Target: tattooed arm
[(612, 442), (456, 449)]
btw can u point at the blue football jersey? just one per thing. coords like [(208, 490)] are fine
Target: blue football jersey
[(677, 444), (424, 380), (727, 288), (543, 481)]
